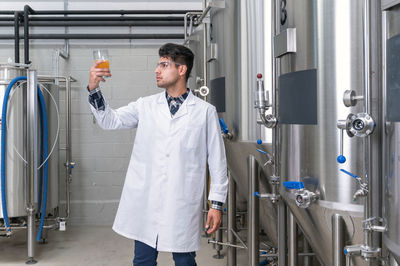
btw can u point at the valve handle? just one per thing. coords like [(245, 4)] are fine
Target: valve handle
[(223, 126), (341, 158), (259, 141), (257, 194), (263, 152), (293, 185), (350, 174)]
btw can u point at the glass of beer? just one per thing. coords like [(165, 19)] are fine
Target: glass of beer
[(102, 54)]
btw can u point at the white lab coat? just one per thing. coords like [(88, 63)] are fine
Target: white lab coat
[(161, 202)]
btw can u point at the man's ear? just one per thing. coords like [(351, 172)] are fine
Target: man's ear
[(182, 70)]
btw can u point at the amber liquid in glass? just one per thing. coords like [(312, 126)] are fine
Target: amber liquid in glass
[(105, 64)]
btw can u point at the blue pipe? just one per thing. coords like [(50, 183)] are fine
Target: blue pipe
[(3, 155)]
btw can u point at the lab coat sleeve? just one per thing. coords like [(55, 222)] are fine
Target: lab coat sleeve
[(125, 117), (216, 158)]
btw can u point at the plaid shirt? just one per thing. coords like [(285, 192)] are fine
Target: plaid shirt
[(175, 102)]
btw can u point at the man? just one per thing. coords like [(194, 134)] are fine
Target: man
[(177, 134)]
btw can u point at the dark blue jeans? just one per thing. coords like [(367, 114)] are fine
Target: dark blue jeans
[(147, 256)]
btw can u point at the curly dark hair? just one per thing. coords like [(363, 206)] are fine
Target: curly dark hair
[(178, 53)]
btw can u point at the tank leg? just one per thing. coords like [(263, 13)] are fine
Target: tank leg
[(253, 213), (231, 220)]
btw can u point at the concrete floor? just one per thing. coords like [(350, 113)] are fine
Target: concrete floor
[(91, 245)]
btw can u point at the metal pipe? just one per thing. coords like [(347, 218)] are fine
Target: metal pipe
[(367, 106), (348, 260), (238, 238), (95, 36), (205, 40), (292, 236), (92, 23), (281, 233), (253, 212), (218, 247), (103, 12), (338, 239), (203, 14), (275, 130), (229, 245), (307, 260), (185, 18), (231, 220), (27, 10), (32, 158), (68, 164), (16, 36), (68, 147), (101, 18)]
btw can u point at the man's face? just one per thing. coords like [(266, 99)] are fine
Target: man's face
[(167, 72)]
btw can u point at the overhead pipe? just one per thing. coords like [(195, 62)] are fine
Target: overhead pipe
[(102, 12), (16, 36), (95, 36), (100, 18), (92, 23), (27, 10)]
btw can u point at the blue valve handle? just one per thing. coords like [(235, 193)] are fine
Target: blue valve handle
[(350, 174), (223, 126), (293, 185), (257, 194), (259, 141), (263, 152)]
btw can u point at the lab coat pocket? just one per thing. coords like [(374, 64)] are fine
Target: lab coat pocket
[(193, 139), (194, 185), (137, 172)]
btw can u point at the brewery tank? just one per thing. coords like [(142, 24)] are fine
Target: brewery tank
[(326, 60), (16, 189), (232, 87)]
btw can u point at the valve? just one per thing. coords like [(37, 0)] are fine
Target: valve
[(363, 187), (225, 131), (261, 96), (303, 197), (269, 157), (359, 125)]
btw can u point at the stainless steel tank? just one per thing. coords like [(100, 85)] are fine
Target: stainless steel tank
[(391, 111), (231, 93), (328, 60), (15, 183)]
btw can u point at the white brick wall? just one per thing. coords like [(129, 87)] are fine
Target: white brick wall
[(102, 156)]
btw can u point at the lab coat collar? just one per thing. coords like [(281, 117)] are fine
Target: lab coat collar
[(190, 100)]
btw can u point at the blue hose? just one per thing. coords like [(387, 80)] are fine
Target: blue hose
[(3, 155), (45, 166)]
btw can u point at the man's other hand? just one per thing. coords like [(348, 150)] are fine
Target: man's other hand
[(214, 217)]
